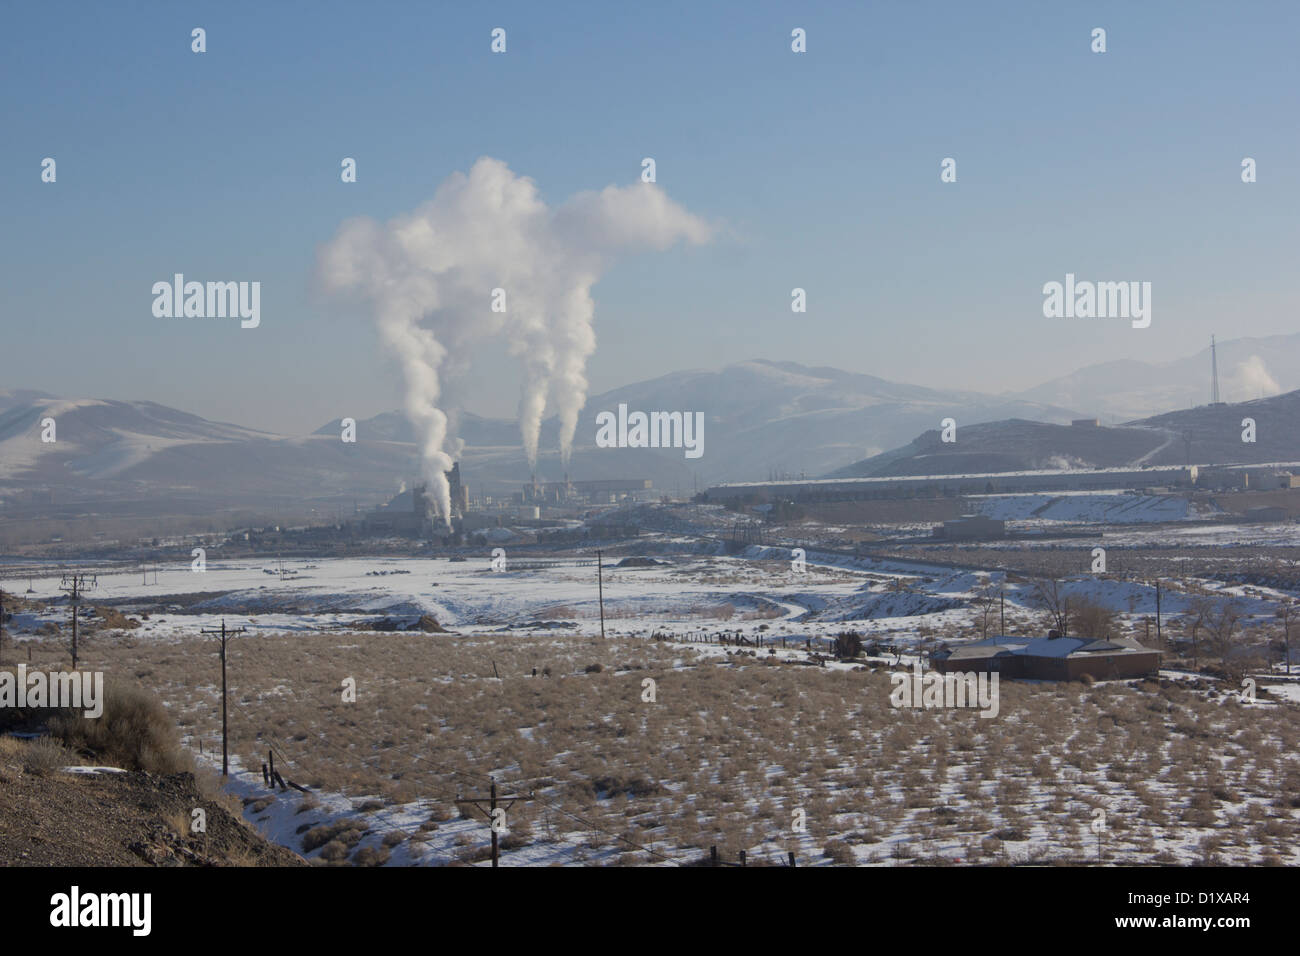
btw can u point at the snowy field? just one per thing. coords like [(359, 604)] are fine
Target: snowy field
[(760, 594), (682, 595)]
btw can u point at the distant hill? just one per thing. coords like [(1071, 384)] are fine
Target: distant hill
[(147, 456), (1205, 435), (10, 397), (1124, 390), (760, 417), (475, 429)]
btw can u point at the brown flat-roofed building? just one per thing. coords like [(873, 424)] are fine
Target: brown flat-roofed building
[(1051, 658)]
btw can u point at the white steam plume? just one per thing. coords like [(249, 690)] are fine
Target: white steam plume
[(428, 277), (1250, 379)]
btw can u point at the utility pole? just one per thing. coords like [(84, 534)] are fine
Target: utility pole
[(495, 824), (2, 627), (75, 584), (1002, 612), (225, 727), (600, 587), (1159, 639)]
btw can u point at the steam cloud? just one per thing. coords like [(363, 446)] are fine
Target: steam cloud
[(1250, 379), (428, 276)]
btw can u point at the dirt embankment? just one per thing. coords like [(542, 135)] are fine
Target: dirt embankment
[(56, 818)]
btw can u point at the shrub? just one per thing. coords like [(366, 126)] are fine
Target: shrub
[(371, 856), (335, 851), (848, 644), (839, 852), (135, 732), (345, 832), (44, 755)]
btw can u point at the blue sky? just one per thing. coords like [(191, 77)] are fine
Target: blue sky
[(821, 168)]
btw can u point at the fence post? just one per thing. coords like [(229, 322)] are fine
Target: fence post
[(792, 857)]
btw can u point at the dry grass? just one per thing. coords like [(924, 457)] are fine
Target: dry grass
[(733, 747)]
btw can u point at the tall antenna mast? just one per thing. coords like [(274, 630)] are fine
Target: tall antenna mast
[(1214, 372)]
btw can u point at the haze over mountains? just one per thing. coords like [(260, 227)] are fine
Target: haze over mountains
[(1204, 435), (1127, 390), (761, 417)]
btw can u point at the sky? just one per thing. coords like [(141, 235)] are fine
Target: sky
[(818, 170)]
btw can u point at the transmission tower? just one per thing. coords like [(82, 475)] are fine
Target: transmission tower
[(1214, 373)]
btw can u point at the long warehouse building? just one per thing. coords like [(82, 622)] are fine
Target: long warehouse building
[(947, 486)]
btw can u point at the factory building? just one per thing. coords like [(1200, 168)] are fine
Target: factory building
[(971, 528), (412, 513), (1278, 476), (601, 490), (1267, 513)]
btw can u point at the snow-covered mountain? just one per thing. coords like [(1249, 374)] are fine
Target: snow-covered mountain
[(129, 451), (100, 439), (760, 417)]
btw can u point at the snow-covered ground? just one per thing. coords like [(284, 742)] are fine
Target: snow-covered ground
[(686, 594), (760, 593)]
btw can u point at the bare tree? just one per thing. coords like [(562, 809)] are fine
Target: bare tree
[(1093, 619), (1221, 623), (1198, 611), (1049, 596), (1287, 612), (985, 602)]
